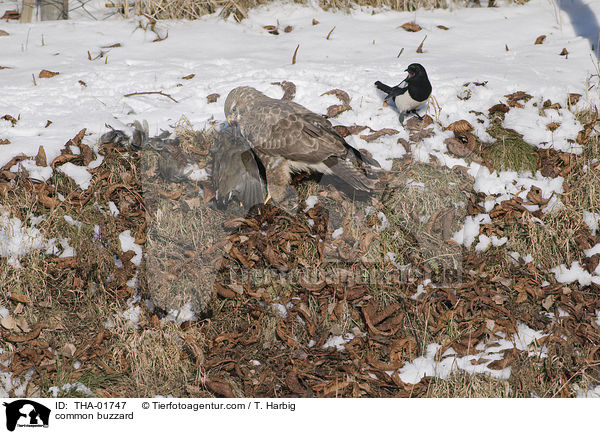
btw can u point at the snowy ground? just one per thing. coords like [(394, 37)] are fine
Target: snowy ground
[(222, 55), (492, 45)]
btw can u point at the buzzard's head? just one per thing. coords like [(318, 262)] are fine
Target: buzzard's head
[(237, 102)]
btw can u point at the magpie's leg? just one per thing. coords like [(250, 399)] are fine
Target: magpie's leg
[(401, 118), (416, 113)]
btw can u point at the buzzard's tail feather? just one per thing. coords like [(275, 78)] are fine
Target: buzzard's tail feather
[(365, 159), (350, 174)]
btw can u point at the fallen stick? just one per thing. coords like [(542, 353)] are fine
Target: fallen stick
[(152, 93)]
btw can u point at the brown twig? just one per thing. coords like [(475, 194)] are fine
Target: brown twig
[(420, 49), (330, 32), (153, 93), (295, 53)]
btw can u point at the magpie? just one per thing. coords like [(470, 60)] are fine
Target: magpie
[(410, 97)]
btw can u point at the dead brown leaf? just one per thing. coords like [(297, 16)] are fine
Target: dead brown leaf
[(10, 119), (213, 97), (411, 27), (376, 134), (44, 73), (289, 90), (460, 127), (498, 108)]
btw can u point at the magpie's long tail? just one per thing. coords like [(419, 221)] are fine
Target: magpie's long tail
[(383, 87)]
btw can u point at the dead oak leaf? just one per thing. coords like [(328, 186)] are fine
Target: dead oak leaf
[(411, 27), (376, 134), (44, 73), (213, 97)]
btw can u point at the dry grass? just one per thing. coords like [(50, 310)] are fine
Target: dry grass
[(161, 357), (194, 9), (553, 241), (510, 151), (425, 206)]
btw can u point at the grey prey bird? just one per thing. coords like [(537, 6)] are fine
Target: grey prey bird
[(237, 174), (412, 96), (288, 137)]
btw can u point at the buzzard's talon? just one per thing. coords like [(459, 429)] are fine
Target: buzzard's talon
[(267, 199)]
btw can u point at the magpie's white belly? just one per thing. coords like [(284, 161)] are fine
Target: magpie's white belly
[(405, 103)]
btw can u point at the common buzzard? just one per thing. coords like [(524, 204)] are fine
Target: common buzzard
[(289, 138)]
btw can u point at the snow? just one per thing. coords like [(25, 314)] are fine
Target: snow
[(17, 239), (562, 138), (593, 251), (311, 201), (68, 387), (73, 222), (592, 392), (470, 230), (337, 233), (525, 340), (79, 174), (364, 43), (186, 313), (112, 208), (14, 385), (279, 309), (338, 342), (592, 220), (574, 273), (128, 243)]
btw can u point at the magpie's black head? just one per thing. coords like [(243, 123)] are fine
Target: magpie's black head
[(416, 71)]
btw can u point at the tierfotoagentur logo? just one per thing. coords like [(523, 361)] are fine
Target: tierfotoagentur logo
[(26, 413)]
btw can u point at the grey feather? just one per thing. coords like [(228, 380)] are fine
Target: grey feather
[(237, 174)]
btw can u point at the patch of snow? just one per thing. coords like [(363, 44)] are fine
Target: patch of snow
[(338, 341), (337, 233), (112, 209), (128, 243), (79, 174), (592, 219), (73, 222), (279, 309), (194, 173), (183, 314), (470, 230), (592, 251), (311, 201), (525, 339), (575, 273), (68, 388)]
